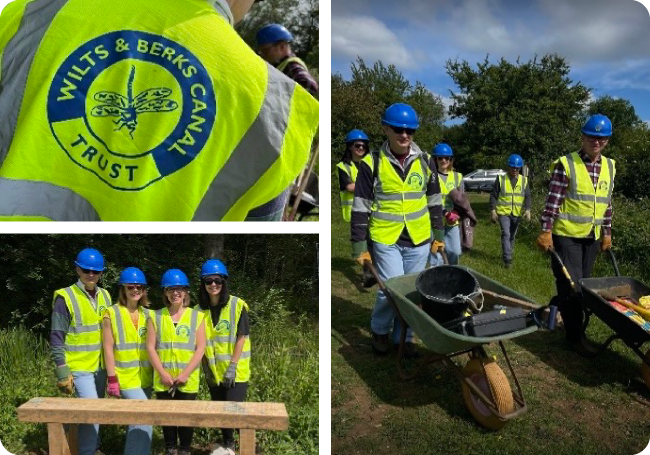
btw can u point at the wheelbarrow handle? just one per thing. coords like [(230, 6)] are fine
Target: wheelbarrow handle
[(564, 269), (368, 264), (610, 253)]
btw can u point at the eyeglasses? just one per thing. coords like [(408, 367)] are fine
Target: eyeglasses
[(445, 158), (88, 272), (596, 138), (217, 281), (397, 130), (137, 287), (359, 146), (175, 289)]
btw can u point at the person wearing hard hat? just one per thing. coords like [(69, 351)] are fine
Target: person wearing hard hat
[(76, 339), (176, 344), (226, 363), (274, 46), (130, 374), (577, 221), (397, 201), (149, 111), (449, 179), (509, 198)]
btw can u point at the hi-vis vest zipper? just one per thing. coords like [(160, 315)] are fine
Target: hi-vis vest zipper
[(220, 343), (347, 197), (511, 200), (134, 110), (584, 207), (132, 366), (83, 342)]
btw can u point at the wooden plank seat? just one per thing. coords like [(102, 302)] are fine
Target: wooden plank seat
[(247, 417)]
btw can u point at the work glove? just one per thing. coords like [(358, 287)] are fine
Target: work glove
[(452, 216), (494, 217), (113, 388), (545, 241), (437, 246), (606, 243), (363, 257), (229, 377), (64, 379), (527, 215)]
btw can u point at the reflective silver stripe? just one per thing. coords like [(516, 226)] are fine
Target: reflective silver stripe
[(83, 328), (573, 181), (126, 346), (107, 298), (193, 327), (256, 152), (610, 167), (588, 197), (17, 58), (75, 306), (233, 319), (361, 205), (434, 199), (145, 364), (172, 345), (400, 218), (29, 198), (456, 179), (84, 348), (399, 196), (219, 339), (159, 328), (508, 204), (130, 364), (346, 202), (348, 169), (227, 357), (580, 219), (121, 336), (176, 365)]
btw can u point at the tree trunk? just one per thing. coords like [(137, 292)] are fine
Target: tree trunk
[(214, 245)]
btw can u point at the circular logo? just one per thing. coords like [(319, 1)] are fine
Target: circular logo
[(183, 330), (603, 185), (131, 107), (142, 332), (415, 180), (450, 185), (223, 327)]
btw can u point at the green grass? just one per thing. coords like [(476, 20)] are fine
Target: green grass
[(575, 405), (284, 368)]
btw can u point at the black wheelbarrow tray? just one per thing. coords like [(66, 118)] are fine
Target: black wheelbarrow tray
[(486, 390), (628, 326)]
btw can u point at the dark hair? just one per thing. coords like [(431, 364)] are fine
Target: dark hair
[(347, 154), (204, 298)]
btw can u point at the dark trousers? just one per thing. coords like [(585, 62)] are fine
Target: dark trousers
[(237, 393), (579, 256), (173, 434)]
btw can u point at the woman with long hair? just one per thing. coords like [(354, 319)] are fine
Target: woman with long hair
[(356, 147)]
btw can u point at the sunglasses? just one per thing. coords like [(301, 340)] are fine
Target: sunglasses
[(443, 158), (596, 138), (137, 287), (397, 130), (359, 146), (209, 281), (88, 272), (175, 289)]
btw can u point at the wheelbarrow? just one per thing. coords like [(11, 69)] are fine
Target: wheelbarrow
[(600, 297), (486, 390)]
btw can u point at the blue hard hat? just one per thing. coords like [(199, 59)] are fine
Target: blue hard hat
[(443, 149), (598, 125), (400, 115), (174, 277), (356, 135), (213, 267), (515, 160), (273, 33), (91, 259), (132, 275)]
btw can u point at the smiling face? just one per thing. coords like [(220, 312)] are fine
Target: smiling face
[(176, 295), (89, 278), (213, 284), (358, 149), (133, 292), (399, 139), (594, 145), (444, 163)]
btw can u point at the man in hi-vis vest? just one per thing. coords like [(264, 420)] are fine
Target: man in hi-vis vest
[(76, 338), (509, 200), (130, 110), (577, 220), (397, 201)]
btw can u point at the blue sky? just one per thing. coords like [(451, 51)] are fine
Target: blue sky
[(606, 43)]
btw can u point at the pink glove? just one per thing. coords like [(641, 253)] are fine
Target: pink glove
[(452, 216), (113, 387)]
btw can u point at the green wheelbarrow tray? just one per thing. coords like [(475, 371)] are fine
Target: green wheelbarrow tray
[(445, 344)]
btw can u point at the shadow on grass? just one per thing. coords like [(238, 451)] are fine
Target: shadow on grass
[(351, 271)]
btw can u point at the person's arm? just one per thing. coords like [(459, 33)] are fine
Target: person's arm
[(108, 342), (557, 188), (242, 333), (527, 197), (364, 194), (301, 75), (165, 377), (494, 195), (434, 203), (195, 361), (59, 329), (345, 181)]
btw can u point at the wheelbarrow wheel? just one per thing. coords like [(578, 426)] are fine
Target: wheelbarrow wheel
[(494, 380), (645, 370)]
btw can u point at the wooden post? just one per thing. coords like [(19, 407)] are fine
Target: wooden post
[(56, 439), (247, 442), (73, 438)]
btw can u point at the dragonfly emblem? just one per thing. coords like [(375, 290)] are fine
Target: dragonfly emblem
[(128, 107)]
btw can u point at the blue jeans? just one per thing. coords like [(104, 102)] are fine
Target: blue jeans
[(89, 385), (452, 247), (391, 261), (138, 437)]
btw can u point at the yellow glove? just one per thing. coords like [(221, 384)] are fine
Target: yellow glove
[(363, 257), (527, 215), (606, 243), (494, 217), (437, 246), (545, 241), (65, 381)]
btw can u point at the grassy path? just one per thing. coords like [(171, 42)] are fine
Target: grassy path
[(575, 406)]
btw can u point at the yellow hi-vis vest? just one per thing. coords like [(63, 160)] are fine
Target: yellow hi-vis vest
[(176, 345), (511, 200), (284, 63), (83, 342), (220, 343), (584, 207), (398, 202), (347, 197), (132, 366), (454, 180), (134, 110)]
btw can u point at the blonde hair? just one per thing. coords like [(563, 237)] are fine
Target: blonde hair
[(186, 299), (144, 300)]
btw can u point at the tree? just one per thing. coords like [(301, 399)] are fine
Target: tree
[(533, 109)]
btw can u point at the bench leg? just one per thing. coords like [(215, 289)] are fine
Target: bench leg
[(57, 440), (247, 442)]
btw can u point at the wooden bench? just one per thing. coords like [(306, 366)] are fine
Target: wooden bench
[(247, 417)]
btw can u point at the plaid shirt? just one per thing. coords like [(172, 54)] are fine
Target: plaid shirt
[(557, 188), (301, 75)]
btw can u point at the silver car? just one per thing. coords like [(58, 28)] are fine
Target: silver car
[(481, 179)]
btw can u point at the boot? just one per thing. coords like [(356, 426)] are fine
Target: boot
[(379, 343)]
